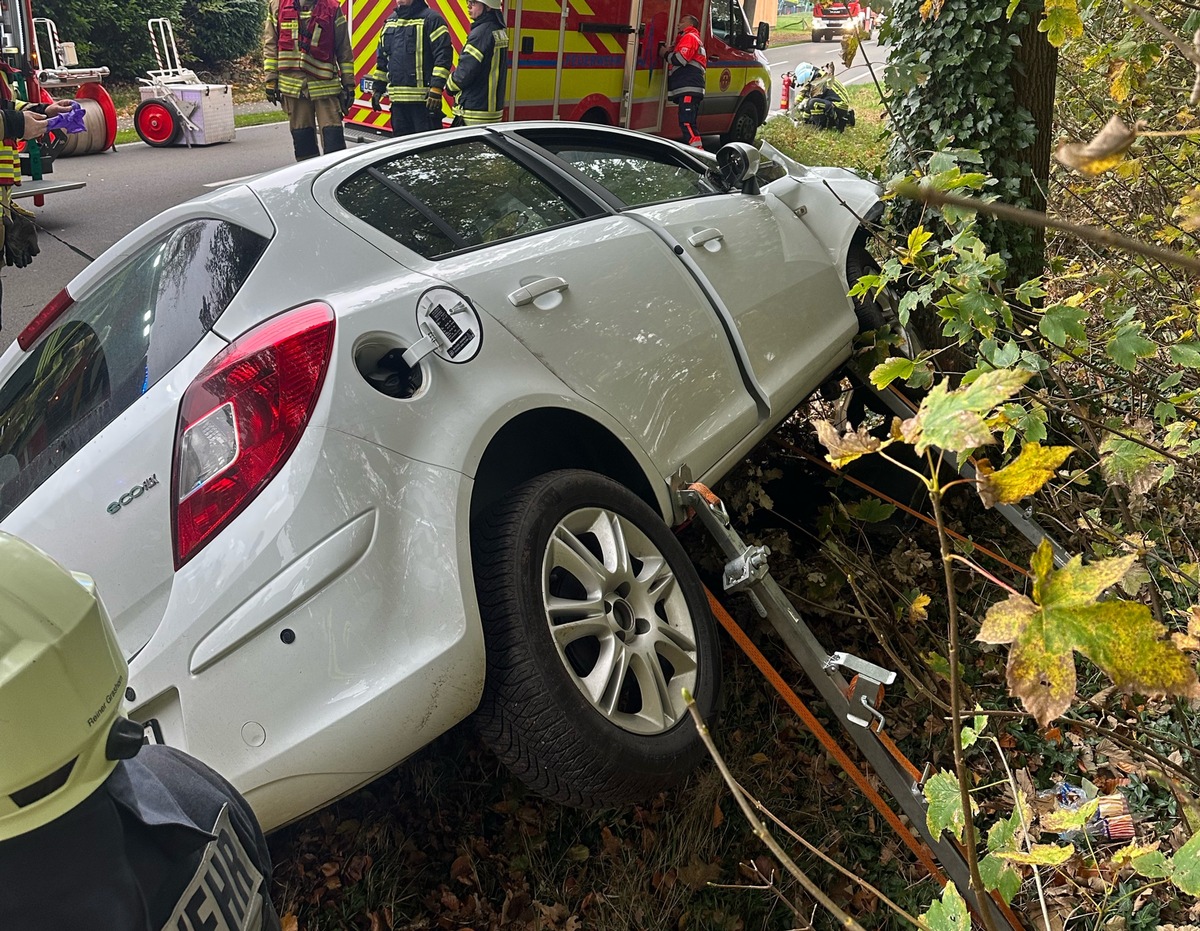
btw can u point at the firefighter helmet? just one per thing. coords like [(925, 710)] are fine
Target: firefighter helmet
[(804, 73), (62, 680)]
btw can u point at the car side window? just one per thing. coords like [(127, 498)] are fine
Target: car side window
[(448, 198), (636, 175), (111, 345)]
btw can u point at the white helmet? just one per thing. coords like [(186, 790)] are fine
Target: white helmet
[(62, 681)]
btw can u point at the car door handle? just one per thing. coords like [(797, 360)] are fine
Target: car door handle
[(708, 235), (529, 293)]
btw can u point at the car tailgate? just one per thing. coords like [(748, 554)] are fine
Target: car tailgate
[(106, 510)]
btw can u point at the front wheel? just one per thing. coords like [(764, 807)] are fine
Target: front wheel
[(595, 622), (871, 309), (744, 127)]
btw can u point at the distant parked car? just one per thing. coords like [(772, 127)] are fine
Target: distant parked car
[(371, 443)]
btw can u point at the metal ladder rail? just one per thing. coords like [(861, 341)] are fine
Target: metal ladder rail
[(746, 570)]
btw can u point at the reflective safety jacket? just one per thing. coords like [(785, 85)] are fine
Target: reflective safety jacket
[(306, 48), (414, 53), (482, 73), (686, 63), (165, 844), (14, 129)]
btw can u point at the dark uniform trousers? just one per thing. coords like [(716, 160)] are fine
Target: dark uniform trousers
[(164, 843)]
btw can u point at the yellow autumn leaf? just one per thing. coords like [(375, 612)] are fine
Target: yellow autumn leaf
[(1120, 80), (850, 46), (1021, 477), (1102, 153), (917, 610), (844, 448)]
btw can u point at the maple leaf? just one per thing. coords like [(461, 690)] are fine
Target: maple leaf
[(954, 420), (1065, 616), (1103, 152), (918, 608), (1061, 21), (1185, 866), (948, 913), (1021, 477), (1129, 463), (945, 812), (844, 448)]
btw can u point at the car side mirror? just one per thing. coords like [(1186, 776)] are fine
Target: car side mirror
[(737, 168), (764, 34)]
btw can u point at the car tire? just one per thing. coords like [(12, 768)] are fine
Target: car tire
[(545, 711), (744, 127), (867, 307)]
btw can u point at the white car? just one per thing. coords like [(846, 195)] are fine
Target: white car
[(383, 439)]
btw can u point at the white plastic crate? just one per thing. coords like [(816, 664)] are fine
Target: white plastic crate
[(209, 106)]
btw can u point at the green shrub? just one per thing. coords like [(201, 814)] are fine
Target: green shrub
[(110, 33), (219, 31)]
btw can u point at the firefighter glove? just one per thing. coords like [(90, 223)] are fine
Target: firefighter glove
[(20, 238), (433, 100), (272, 93)]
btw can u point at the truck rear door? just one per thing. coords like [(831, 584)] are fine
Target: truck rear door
[(645, 72)]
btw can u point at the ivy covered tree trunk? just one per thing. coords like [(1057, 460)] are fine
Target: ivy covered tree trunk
[(972, 83), (1034, 78)]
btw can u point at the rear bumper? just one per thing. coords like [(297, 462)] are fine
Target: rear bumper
[(326, 634)]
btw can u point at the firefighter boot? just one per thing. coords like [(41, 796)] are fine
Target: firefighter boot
[(333, 138), (304, 141)]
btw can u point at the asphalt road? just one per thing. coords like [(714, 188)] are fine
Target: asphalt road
[(128, 186), (124, 189)]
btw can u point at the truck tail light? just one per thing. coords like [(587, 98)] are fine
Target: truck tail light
[(241, 418)]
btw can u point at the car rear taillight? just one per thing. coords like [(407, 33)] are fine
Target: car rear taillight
[(242, 417)]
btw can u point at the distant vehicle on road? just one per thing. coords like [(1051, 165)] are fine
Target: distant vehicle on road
[(833, 19)]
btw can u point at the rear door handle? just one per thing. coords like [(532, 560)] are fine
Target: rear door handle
[(530, 292), (708, 235)]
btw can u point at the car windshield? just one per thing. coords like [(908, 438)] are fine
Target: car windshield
[(112, 345)]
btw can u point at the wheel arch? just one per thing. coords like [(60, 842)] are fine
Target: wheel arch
[(518, 452)]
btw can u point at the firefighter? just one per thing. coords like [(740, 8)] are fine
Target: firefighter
[(827, 105), (686, 64), (309, 69), (478, 80), (22, 120), (98, 831), (412, 63)]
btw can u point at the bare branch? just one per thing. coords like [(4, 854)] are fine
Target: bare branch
[(935, 198)]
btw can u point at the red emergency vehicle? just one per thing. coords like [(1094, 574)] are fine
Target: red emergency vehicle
[(594, 60)]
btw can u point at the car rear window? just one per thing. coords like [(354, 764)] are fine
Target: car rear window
[(448, 198), (112, 345)]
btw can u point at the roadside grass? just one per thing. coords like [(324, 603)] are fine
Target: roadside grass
[(792, 28), (862, 147)]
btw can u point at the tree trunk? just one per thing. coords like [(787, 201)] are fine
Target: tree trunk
[(1034, 73)]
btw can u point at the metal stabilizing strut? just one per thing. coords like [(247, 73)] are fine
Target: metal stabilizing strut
[(855, 703)]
